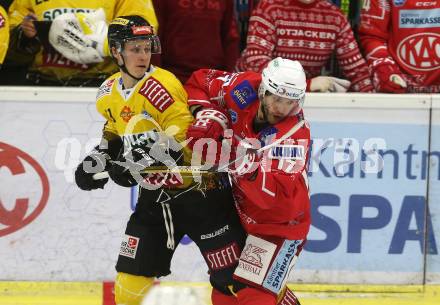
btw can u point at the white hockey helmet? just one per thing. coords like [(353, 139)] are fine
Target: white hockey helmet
[(285, 78)]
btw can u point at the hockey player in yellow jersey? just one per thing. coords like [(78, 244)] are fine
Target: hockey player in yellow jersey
[(49, 67), (4, 34), (145, 108)]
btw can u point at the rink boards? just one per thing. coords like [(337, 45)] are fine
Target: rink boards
[(374, 176)]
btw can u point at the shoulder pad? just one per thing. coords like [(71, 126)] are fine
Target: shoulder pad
[(244, 94)]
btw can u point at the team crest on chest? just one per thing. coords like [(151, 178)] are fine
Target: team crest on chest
[(126, 114)]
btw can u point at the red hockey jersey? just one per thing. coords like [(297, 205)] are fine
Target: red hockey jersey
[(407, 31), (276, 202), (309, 33)]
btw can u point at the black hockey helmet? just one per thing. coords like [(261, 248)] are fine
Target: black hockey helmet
[(124, 28)]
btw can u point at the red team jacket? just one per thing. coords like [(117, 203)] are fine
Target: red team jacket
[(407, 31), (276, 203), (197, 34)]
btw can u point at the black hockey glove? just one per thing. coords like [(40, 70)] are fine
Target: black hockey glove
[(126, 170), (97, 161)]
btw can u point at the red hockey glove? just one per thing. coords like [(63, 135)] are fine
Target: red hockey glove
[(209, 124), (387, 76)]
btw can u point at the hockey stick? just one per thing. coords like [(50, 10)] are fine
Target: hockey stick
[(190, 170)]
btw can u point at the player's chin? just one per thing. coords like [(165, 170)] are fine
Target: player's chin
[(274, 119), (140, 71)]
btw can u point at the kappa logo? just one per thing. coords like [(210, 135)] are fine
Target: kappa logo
[(126, 114), (420, 51), (252, 255)]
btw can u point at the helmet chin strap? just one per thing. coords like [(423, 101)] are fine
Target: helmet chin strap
[(123, 67), (263, 108)]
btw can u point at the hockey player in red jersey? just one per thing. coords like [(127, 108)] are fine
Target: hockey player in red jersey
[(309, 31), (401, 40), (269, 140)]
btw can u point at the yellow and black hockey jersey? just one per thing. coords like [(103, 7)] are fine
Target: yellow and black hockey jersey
[(52, 64), (4, 34), (157, 103)]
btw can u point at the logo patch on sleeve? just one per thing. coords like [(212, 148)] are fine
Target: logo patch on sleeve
[(287, 152), (129, 246), (243, 94), (233, 115), (156, 94), (105, 89)]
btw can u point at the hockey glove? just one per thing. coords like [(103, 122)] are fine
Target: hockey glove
[(387, 76), (126, 170), (209, 125), (329, 84), (80, 37), (95, 162), (121, 175)]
